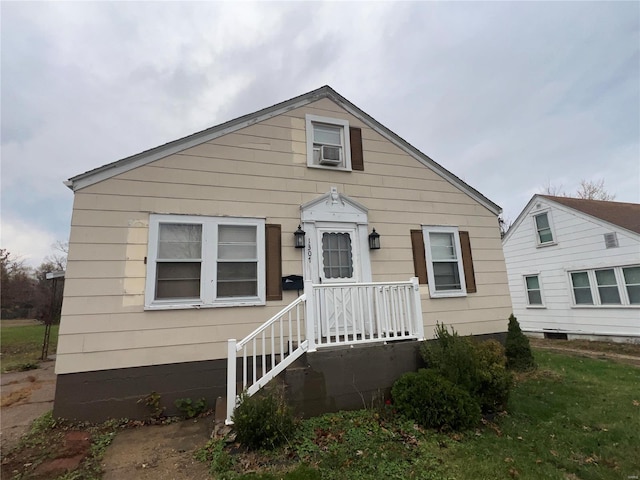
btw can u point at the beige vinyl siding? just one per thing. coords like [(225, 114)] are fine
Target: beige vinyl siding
[(257, 171)]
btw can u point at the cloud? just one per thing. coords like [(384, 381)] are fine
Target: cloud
[(25, 241), (505, 95)]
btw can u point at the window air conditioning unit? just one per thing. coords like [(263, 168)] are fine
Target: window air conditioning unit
[(330, 155)]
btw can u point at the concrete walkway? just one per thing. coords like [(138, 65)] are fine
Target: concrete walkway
[(24, 396)]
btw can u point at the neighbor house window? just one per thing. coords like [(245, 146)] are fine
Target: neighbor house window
[(544, 233), (607, 287), (581, 288), (632, 284), (205, 261), (328, 143), (444, 261), (534, 293)]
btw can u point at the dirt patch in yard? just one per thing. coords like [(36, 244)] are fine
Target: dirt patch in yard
[(628, 353)]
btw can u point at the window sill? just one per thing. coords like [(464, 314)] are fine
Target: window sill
[(325, 167), (198, 306), (447, 294), (537, 307), (614, 307), (548, 244)]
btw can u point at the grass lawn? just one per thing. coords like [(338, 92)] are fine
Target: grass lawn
[(574, 418), (21, 346)]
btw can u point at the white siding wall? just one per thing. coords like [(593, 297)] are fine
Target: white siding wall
[(261, 171), (580, 245)]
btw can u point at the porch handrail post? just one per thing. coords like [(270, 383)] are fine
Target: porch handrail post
[(417, 308), (231, 379), (309, 317)]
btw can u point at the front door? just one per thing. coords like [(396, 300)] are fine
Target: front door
[(339, 263)]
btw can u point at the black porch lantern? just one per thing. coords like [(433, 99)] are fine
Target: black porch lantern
[(374, 240), (299, 237)]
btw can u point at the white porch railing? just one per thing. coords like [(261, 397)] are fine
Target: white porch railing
[(325, 315), (352, 313)]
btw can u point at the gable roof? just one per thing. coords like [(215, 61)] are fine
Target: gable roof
[(111, 169), (625, 215), (620, 214)]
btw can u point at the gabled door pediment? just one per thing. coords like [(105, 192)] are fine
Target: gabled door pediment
[(334, 207)]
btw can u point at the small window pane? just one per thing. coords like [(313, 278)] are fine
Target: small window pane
[(237, 279), (237, 252), (237, 234), (608, 287), (326, 135), (533, 283), (581, 288), (580, 279), (446, 276), (632, 275), (178, 280), (179, 241), (542, 221), (632, 282), (535, 297), (442, 246), (337, 257)]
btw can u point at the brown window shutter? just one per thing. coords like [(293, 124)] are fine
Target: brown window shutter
[(357, 159), (419, 258), (273, 252), (467, 262)]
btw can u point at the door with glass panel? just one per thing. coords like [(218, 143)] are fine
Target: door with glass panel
[(338, 264)]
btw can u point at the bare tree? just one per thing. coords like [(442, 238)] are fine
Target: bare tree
[(594, 190), (588, 190), (57, 260), (553, 190)]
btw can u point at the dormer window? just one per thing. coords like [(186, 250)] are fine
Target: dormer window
[(328, 143)]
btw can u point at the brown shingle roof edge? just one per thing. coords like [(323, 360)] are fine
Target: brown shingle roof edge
[(625, 215)]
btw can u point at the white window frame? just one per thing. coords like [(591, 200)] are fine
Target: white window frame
[(208, 284), (554, 239), (526, 290), (595, 292), (433, 293), (312, 120)]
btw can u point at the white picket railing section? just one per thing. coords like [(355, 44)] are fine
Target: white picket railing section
[(352, 313), (265, 352), (325, 315)]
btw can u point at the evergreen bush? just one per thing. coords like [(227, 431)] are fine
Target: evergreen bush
[(263, 420), (434, 402), (477, 367), (518, 349)]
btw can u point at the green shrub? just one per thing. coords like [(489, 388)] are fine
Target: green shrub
[(493, 379), (518, 350), (477, 367), (263, 421), (433, 401)]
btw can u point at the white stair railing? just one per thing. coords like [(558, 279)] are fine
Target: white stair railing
[(265, 352)]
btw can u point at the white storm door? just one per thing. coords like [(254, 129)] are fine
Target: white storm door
[(339, 263)]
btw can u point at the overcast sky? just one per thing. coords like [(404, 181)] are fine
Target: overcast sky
[(508, 96)]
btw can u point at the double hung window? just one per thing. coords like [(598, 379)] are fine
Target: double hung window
[(444, 262), (534, 292), (328, 144), (544, 232), (205, 261)]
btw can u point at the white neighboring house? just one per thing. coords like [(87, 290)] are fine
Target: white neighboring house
[(574, 268)]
